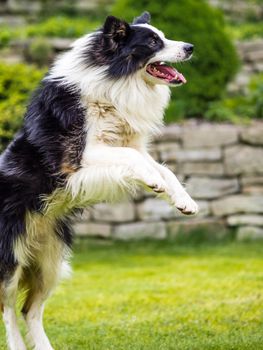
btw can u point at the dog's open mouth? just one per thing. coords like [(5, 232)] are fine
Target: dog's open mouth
[(162, 70)]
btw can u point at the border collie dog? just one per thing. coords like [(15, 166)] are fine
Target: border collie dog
[(84, 140)]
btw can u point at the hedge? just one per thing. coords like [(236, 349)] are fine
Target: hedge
[(16, 85)]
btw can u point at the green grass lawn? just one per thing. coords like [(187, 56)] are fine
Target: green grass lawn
[(159, 296)]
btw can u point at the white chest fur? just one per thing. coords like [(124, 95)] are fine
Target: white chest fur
[(107, 127)]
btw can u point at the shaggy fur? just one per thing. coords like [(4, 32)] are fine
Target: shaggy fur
[(84, 140)]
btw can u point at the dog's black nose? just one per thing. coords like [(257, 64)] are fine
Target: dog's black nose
[(188, 48)]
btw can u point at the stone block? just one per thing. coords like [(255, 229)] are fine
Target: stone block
[(252, 180), (85, 215), (251, 220), (249, 233), (92, 229), (174, 167), (142, 193), (237, 204), (26, 6), (254, 56), (12, 58), (247, 68), (209, 135), (60, 44), (242, 79), (258, 66), (199, 155), (253, 189), (168, 151), (140, 230), (234, 88), (253, 134), (243, 160), (204, 209), (84, 5), (12, 21), (171, 132), (156, 209), (208, 188), (119, 212), (213, 226), (250, 45), (202, 168)]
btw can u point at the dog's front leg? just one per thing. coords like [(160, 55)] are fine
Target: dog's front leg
[(108, 171), (174, 190)]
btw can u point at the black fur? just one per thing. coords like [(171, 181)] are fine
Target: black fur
[(124, 48), (51, 142), (35, 163), (145, 17)]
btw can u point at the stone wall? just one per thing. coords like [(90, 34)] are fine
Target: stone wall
[(221, 166), (251, 57), (251, 50), (240, 10)]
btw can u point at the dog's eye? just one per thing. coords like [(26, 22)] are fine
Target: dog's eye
[(153, 41)]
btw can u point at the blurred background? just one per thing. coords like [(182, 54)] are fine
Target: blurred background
[(179, 283), (215, 146)]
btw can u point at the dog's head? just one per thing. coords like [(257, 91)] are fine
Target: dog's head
[(139, 48)]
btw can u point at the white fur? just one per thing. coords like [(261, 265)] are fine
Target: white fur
[(14, 338), (122, 114), (36, 334), (108, 172), (174, 191), (131, 96), (40, 246)]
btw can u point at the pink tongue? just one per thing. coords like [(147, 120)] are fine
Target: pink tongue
[(172, 71), (166, 70)]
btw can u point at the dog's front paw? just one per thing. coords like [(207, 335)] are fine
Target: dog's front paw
[(154, 181), (185, 204), (156, 184), (157, 187)]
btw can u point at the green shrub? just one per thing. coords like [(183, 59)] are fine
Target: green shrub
[(244, 31), (61, 26), (240, 107), (39, 51), (256, 91), (215, 60), (56, 26), (16, 84), (6, 35)]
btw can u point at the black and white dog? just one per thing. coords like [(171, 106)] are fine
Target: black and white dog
[(84, 140)]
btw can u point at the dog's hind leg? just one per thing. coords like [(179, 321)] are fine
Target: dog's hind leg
[(33, 309), (33, 312), (41, 283), (9, 295)]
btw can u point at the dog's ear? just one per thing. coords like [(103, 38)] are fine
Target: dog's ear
[(145, 17), (116, 29)]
